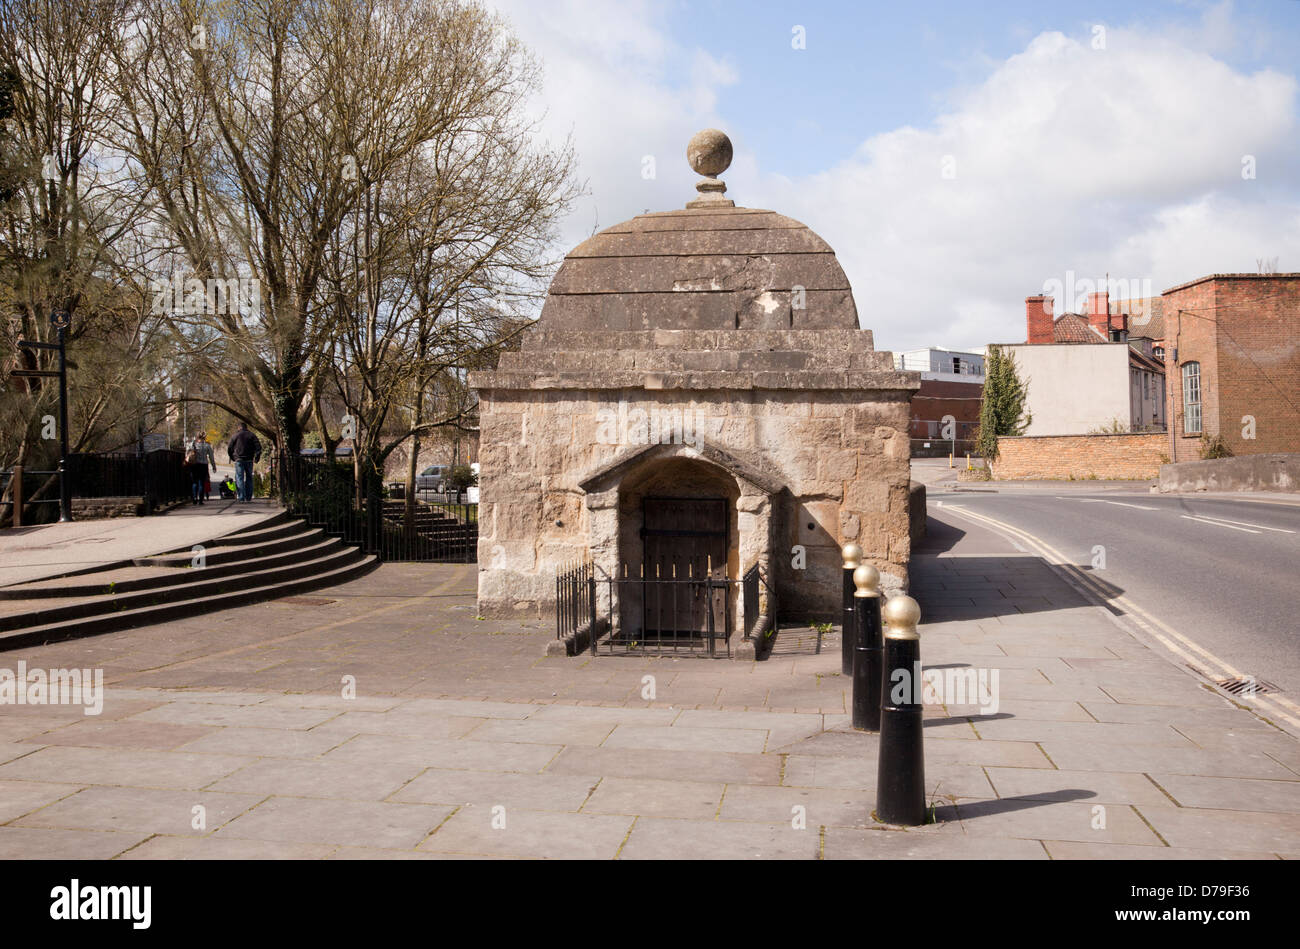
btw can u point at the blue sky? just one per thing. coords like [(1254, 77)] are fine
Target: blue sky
[(1064, 155), (871, 67)]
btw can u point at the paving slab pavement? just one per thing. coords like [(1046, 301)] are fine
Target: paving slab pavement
[(231, 737)]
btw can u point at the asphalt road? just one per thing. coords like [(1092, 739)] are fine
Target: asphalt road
[(1223, 571)]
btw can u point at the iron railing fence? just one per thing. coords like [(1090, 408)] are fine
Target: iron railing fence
[(158, 477), (575, 599), (323, 491), (662, 615), (39, 494)]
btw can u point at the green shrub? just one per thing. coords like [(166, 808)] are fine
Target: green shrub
[(1213, 446)]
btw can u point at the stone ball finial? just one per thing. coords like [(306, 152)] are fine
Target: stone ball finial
[(709, 152)]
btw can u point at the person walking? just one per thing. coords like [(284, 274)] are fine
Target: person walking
[(200, 460), (244, 450), (208, 458)]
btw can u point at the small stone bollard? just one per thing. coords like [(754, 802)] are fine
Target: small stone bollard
[(866, 649), (900, 778), (852, 554)]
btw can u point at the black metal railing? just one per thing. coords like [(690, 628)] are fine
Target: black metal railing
[(324, 492), (575, 599), (38, 492), (158, 478), (662, 615)]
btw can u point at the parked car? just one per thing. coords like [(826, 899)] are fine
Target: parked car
[(433, 478)]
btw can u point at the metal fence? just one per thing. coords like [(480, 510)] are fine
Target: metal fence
[(36, 491), (662, 615), (157, 477), (324, 492)]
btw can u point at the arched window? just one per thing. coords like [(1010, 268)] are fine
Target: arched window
[(1191, 398)]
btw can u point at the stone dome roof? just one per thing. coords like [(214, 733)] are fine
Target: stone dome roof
[(708, 268)]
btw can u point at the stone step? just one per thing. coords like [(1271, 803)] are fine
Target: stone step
[(337, 572), (198, 585), (295, 536), (132, 579)]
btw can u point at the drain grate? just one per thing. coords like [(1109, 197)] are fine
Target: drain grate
[(307, 600), (1246, 685)]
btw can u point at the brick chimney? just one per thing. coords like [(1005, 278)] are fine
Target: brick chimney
[(1099, 312), (1038, 319)]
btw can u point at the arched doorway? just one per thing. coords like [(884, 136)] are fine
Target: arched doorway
[(673, 530), (677, 528)]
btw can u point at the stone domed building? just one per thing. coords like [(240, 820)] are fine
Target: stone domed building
[(697, 398)]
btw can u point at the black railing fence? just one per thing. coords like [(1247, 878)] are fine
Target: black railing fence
[(575, 599), (158, 477), (664, 615), (38, 493), (324, 492)]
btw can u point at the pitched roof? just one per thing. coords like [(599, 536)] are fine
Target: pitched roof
[(1146, 318), (1073, 328)]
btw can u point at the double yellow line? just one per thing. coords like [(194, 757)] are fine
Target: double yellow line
[(1196, 657)]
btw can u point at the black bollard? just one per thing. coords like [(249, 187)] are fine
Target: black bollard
[(852, 555), (900, 779), (866, 651)]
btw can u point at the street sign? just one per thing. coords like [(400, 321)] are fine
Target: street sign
[(33, 344), (61, 319), (36, 373)]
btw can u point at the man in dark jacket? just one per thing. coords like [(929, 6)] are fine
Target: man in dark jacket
[(244, 450)]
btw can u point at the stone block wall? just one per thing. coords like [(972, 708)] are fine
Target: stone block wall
[(88, 509), (840, 459), (1080, 457)]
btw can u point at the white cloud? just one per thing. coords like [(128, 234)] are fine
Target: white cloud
[(625, 90), (1125, 160)]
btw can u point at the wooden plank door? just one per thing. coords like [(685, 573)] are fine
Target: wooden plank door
[(685, 538)]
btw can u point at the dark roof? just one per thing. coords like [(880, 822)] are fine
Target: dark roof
[(708, 269)]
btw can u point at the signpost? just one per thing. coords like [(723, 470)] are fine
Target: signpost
[(60, 320)]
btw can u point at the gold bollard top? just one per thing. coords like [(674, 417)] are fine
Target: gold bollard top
[(867, 580), (900, 615), (852, 554)]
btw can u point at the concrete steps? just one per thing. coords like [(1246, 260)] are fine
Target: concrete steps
[(275, 558), (432, 523)]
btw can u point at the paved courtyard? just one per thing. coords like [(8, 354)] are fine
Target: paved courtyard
[(230, 736)]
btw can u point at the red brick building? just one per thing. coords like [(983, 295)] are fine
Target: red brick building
[(945, 411), (1232, 358)]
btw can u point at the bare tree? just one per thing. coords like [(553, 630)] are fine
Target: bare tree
[(455, 212), (69, 213)]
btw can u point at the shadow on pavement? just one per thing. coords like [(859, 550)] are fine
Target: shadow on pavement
[(1008, 805)]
